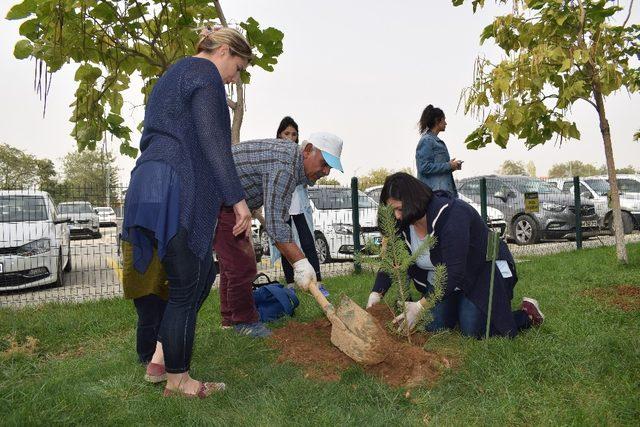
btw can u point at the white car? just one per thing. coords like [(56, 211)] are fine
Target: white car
[(106, 216), (333, 222), (495, 218), (34, 242), (596, 189), (83, 221)]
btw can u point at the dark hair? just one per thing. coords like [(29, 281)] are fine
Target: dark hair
[(413, 193), (285, 123), (430, 116)]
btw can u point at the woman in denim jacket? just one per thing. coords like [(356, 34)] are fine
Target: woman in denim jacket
[(435, 167)]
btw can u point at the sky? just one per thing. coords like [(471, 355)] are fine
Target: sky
[(363, 70)]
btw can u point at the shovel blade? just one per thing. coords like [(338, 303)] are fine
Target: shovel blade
[(356, 333)]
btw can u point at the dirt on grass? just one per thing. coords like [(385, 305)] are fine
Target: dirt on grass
[(624, 297), (407, 365), (13, 347)]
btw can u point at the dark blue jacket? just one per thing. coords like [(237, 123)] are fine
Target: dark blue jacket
[(187, 126), (462, 247)]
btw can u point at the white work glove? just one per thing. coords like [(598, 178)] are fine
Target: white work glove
[(374, 298), (303, 274), (413, 310)]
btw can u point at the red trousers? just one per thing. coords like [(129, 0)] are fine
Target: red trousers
[(237, 261)]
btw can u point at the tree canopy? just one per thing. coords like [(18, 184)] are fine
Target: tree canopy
[(20, 170), (113, 41)]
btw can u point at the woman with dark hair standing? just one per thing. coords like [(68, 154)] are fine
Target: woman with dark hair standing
[(461, 245), (183, 176), (435, 167), (300, 211)]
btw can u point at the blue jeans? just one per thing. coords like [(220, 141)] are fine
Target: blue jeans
[(190, 280), (456, 309), (150, 310)]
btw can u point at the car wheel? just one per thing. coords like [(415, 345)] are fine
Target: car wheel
[(525, 230), (60, 273), (322, 248), (68, 267), (627, 223)]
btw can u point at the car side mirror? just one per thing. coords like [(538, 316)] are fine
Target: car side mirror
[(502, 195), (586, 195)]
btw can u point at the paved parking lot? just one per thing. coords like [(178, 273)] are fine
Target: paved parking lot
[(96, 263)]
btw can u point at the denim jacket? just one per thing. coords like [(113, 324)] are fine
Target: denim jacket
[(432, 163)]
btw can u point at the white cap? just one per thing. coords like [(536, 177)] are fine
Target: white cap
[(331, 147)]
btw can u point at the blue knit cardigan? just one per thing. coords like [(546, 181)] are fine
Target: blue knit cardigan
[(187, 126)]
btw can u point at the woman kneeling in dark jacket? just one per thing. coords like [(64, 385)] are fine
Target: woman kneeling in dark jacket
[(461, 245)]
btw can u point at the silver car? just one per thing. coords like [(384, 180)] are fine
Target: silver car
[(556, 214), (83, 221)]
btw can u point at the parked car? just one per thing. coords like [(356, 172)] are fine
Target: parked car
[(628, 184), (374, 192), (333, 222), (596, 189), (34, 241), (495, 218), (106, 216), (83, 221), (556, 216)]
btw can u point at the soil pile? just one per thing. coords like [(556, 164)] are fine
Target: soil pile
[(309, 345), (624, 297)]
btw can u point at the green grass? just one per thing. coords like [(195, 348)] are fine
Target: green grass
[(581, 367)]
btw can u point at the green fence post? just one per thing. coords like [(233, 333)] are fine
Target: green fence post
[(355, 215), (578, 207), (493, 245), (483, 199)]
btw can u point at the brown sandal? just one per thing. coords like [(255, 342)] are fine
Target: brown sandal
[(205, 389)]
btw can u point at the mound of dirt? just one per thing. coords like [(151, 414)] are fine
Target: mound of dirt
[(624, 297), (407, 365)]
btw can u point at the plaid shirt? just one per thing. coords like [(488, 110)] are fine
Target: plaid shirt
[(269, 171)]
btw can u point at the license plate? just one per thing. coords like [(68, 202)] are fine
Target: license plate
[(590, 224)]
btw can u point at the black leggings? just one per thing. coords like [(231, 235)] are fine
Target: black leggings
[(308, 246)]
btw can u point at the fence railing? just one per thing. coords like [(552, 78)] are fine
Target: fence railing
[(62, 244)]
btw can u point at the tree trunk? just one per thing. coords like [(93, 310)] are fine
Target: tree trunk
[(238, 114), (621, 250), (238, 106)]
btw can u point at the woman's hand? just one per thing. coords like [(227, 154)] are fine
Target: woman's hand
[(413, 310), (243, 218)]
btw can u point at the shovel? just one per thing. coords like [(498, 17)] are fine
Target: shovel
[(354, 331)]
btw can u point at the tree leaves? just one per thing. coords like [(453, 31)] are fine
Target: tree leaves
[(22, 49), (552, 62), (111, 41)]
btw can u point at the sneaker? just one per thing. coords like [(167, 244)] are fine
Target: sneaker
[(255, 330), (323, 290), (531, 307), (155, 373)]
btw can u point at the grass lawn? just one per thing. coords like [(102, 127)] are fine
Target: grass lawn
[(581, 367)]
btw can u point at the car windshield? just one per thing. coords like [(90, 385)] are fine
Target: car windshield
[(375, 194), (529, 185), (600, 186), (330, 198), (74, 208), (16, 208), (627, 185)]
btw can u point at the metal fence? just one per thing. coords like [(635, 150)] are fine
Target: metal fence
[(62, 244)]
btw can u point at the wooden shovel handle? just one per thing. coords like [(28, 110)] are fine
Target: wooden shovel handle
[(324, 303)]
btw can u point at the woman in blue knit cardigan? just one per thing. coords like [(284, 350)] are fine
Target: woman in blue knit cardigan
[(183, 176)]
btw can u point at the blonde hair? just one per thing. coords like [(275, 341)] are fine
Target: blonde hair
[(211, 38)]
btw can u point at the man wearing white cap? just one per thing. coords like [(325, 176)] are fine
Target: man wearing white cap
[(269, 171)]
